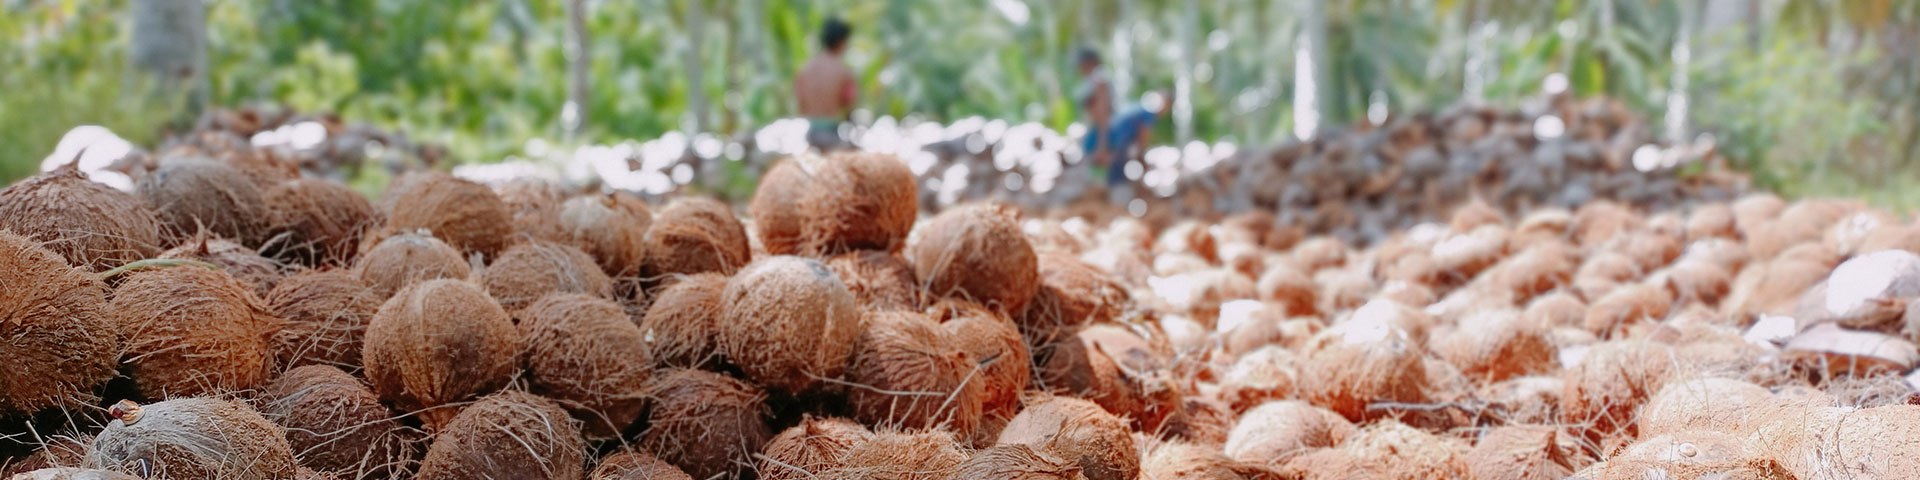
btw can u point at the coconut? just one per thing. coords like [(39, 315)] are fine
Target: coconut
[(1494, 345), (257, 272), (1360, 362), (1191, 238), (316, 222), (1276, 432), (1077, 430), (1185, 461), (1291, 288), (1868, 292), (911, 376), (612, 228), (192, 331), (1201, 420), (401, 260), (1712, 220), (694, 235), (1773, 287), (58, 451), (706, 423), (1695, 281), (528, 271), (467, 215), (1019, 462), (437, 343), (1830, 351), (977, 252), (580, 353), (637, 465), (858, 201), (1891, 237), (1695, 454), (1386, 449), (814, 446), (1558, 309), (1602, 272), (1474, 214), (92, 225), (511, 434), (1267, 373), (335, 424), (1597, 222), (788, 322), (1463, 256), (1840, 442), (60, 340), (775, 207), (1542, 268), (192, 194), (1610, 383), (1319, 252), (1121, 371), (880, 280), (1627, 306), (72, 474), (192, 438), (1533, 400), (1754, 210), (679, 325), (1717, 404), (1208, 289), (1071, 293), (1521, 452), (535, 205), (901, 456), (326, 313), (1006, 368), (1728, 254)]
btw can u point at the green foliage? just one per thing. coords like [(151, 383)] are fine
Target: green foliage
[(68, 69)]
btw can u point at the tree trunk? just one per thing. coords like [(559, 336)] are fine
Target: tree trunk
[(1309, 73), (169, 42), (695, 119), (1183, 82), (573, 117)]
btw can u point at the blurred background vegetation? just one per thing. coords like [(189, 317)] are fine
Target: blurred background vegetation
[(1811, 96)]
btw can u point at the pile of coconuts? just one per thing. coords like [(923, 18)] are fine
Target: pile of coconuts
[(233, 318)]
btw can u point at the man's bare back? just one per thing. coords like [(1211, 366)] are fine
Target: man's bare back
[(824, 88)]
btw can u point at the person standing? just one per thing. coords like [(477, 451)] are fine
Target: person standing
[(1095, 99), (825, 87)]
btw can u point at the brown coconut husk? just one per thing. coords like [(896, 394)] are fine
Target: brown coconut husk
[(612, 228), (1693, 281), (1609, 384), (1184, 461), (1627, 306), (775, 207), (637, 465), (1474, 214), (1117, 369), (880, 280), (977, 252), (1813, 252), (1201, 420), (1840, 442), (580, 352), (1319, 252), (91, 225), (858, 201), (1772, 287), (192, 438), (404, 259), (907, 374), (58, 451), (67, 473), (529, 271), (326, 313), (1755, 209), (467, 215), (61, 340), (1542, 268), (1710, 403), (901, 456), (1290, 288), (1354, 365), (316, 223), (679, 325), (1830, 351), (788, 322), (1867, 292), (1597, 222), (1071, 293), (1531, 400), (1522, 452), (511, 434), (1077, 430), (188, 195), (192, 331), (706, 423), (1264, 374), (694, 235), (1495, 345), (535, 205), (1018, 462), (1386, 449), (1212, 288), (1275, 432), (814, 446), (1712, 220), (1602, 272), (1694, 454), (1006, 368), (437, 343), (337, 425), (1461, 257), (257, 272), (1189, 237), (1728, 254), (1558, 309), (1891, 237), (1649, 250)]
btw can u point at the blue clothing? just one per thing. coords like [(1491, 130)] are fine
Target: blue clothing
[(1120, 137)]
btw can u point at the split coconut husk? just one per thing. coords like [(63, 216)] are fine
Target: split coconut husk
[(511, 434), (788, 322), (679, 326), (580, 353), (813, 447), (775, 207), (977, 252), (708, 424), (612, 228), (906, 374), (637, 465), (257, 272), (92, 225), (437, 343), (1276, 432), (335, 424), (196, 437), (1077, 430), (316, 223), (694, 235), (532, 270), (1867, 292), (325, 314), (404, 259), (858, 201), (192, 331), (879, 280), (61, 341), (1832, 352), (192, 194), (467, 215)]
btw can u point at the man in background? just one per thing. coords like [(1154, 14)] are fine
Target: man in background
[(1126, 139), (1095, 99), (825, 88)]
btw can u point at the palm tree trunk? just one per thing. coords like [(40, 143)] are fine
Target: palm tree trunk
[(695, 119), (169, 42), (1309, 73), (573, 116)]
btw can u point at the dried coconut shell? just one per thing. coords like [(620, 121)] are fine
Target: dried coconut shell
[(580, 352), (1597, 222), (257, 272), (1275, 432), (91, 225), (192, 331), (58, 451), (511, 434), (1289, 288), (316, 223), (437, 343), (814, 446), (192, 438), (188, 195), (1891, 237), (1753, 210), (858, 201), (1539, 269), (1183, 461), (72, 474), (706, 423), (693, 235), (325, 314), (467, 215), (910, 376), (1077, 430), (1772, 287), (775, 207), (1603, 272), (336, 424), (60, 337), (535, 205), (977, 252), (404, 259), (678, 326), (1319, 252), (880, 280), (1867, 292), (1698, 282), (789, 322), (1201, 420), (532, 270), (637, 465), (1834, 352), (1188, 237)]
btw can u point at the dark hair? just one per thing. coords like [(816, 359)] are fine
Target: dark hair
[(834, 33), (1087, 56)]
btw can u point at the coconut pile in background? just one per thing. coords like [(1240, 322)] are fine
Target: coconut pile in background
[(233, 315)]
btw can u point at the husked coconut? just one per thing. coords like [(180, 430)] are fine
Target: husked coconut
[(788, 322), (1077, 431), (977, 252), (511, 434)]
